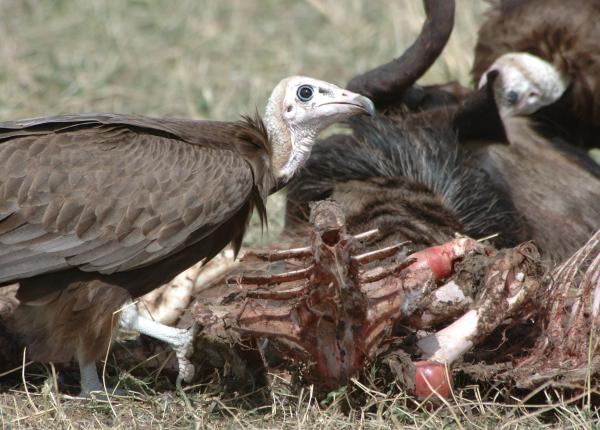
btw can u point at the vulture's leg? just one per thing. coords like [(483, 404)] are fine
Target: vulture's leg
[(181, 340), (89, 377), (91, 385)]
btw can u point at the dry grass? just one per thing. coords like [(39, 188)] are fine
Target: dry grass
[(200, 59), (207, 406), (217, 59)]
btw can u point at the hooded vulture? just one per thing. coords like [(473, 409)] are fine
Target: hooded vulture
[(540, 61), (98, 209), (545, 51)]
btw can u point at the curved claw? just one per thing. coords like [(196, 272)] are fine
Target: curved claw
[(181, 340), (184, 349)]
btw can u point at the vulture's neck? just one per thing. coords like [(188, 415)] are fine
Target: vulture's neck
[(290, 148)]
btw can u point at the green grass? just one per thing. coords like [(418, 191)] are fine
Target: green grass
[(219, 59)]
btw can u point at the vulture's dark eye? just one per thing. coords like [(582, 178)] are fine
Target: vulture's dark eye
[(305, 93), (512, 97)]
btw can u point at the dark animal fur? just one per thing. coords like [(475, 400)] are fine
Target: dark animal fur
[(412, 183)]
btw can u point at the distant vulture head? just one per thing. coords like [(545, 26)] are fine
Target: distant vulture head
[(524, 83), (298, 110)]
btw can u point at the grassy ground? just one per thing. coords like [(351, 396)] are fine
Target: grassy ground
[(217, 59), (203, 407)]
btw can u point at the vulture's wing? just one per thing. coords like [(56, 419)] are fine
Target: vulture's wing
[(111, 193)]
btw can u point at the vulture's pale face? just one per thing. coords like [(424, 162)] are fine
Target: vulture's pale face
[(525, 83), (298, 110)]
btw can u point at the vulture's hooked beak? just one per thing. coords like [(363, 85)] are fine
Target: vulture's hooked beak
[(346, 100)]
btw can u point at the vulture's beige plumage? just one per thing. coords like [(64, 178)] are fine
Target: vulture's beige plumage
[(96, 209)]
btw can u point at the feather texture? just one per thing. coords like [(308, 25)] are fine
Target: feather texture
[(107, 194), (413, 183)]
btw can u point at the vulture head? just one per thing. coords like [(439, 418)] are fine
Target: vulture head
[(298, 110), (523, 83)]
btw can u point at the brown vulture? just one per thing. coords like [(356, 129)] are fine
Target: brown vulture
[(98, 209), (532, 43), (541, 61)]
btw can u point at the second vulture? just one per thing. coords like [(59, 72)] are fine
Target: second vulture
[(98, 209)]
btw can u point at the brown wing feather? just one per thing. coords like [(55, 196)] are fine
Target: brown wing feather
[(111, 197)]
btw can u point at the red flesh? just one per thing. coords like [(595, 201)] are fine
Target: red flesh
[(431, 378)]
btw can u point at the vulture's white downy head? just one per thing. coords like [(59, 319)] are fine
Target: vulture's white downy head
[(298, 110), (525, 83)]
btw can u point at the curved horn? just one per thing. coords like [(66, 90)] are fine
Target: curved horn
[(386, 83)]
